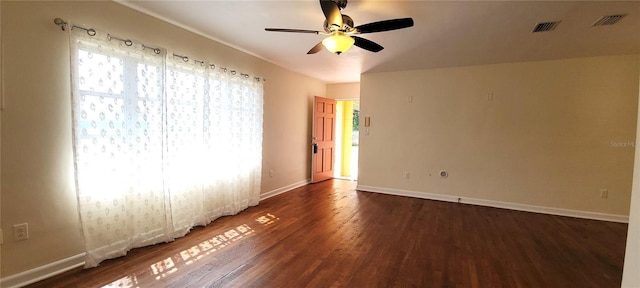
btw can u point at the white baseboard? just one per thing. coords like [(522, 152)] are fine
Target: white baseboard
[(42, 272), (287, 188), (499, 204)]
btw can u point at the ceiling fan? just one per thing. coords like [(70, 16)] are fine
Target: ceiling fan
[(341, 30)]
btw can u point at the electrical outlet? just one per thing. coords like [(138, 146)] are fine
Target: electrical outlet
[(604, 193), (20, 232), (407, 175), (1, 237), (271, 173)]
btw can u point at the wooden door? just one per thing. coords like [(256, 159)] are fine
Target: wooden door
[(323, 143)]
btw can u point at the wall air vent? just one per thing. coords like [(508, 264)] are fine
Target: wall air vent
[(608, 20), (545, 26)]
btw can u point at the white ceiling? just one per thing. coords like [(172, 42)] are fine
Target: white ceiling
[(446, 33)]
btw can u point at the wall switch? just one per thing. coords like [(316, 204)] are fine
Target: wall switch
[(407, 175), (490, 96), (20, 232), (410, 99), (270, 172), (1, 237), (604, 193)]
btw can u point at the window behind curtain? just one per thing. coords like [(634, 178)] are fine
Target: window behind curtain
[(160, 145)]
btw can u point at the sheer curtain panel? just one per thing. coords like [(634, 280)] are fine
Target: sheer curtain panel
[(214, 151), (160, 144)]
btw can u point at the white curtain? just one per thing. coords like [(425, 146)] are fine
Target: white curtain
[(160, 144)]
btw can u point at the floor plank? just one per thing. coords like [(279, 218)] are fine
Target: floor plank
[(330, 235)]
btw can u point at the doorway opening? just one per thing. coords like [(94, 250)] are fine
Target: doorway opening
[(347, 139)]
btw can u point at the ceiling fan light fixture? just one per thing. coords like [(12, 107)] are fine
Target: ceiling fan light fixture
[(338, 43)]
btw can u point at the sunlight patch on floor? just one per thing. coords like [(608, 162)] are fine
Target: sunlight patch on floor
[(129, 281), (170, 265)]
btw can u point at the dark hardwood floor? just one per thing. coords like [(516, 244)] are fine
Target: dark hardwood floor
[(329, 235)]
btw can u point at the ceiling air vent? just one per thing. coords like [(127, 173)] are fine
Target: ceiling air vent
[(545, 26), (608, 20)]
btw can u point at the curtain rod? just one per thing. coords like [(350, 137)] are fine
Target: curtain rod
[(212, 66), (92, 32)]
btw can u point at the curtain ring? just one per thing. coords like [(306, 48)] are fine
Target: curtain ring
[(91, 32), (155, 50), (213, 66)]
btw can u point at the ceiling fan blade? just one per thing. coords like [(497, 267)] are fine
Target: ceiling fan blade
[(385, 25), (367, 44), (316, 48), (291, 30), (331, 12)]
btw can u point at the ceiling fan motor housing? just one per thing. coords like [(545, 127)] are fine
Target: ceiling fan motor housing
[(347, 25), (341, 3)]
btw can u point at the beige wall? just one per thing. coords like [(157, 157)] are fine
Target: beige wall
[(545, 139), (344, 91), (37, 165), (631, 277)]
